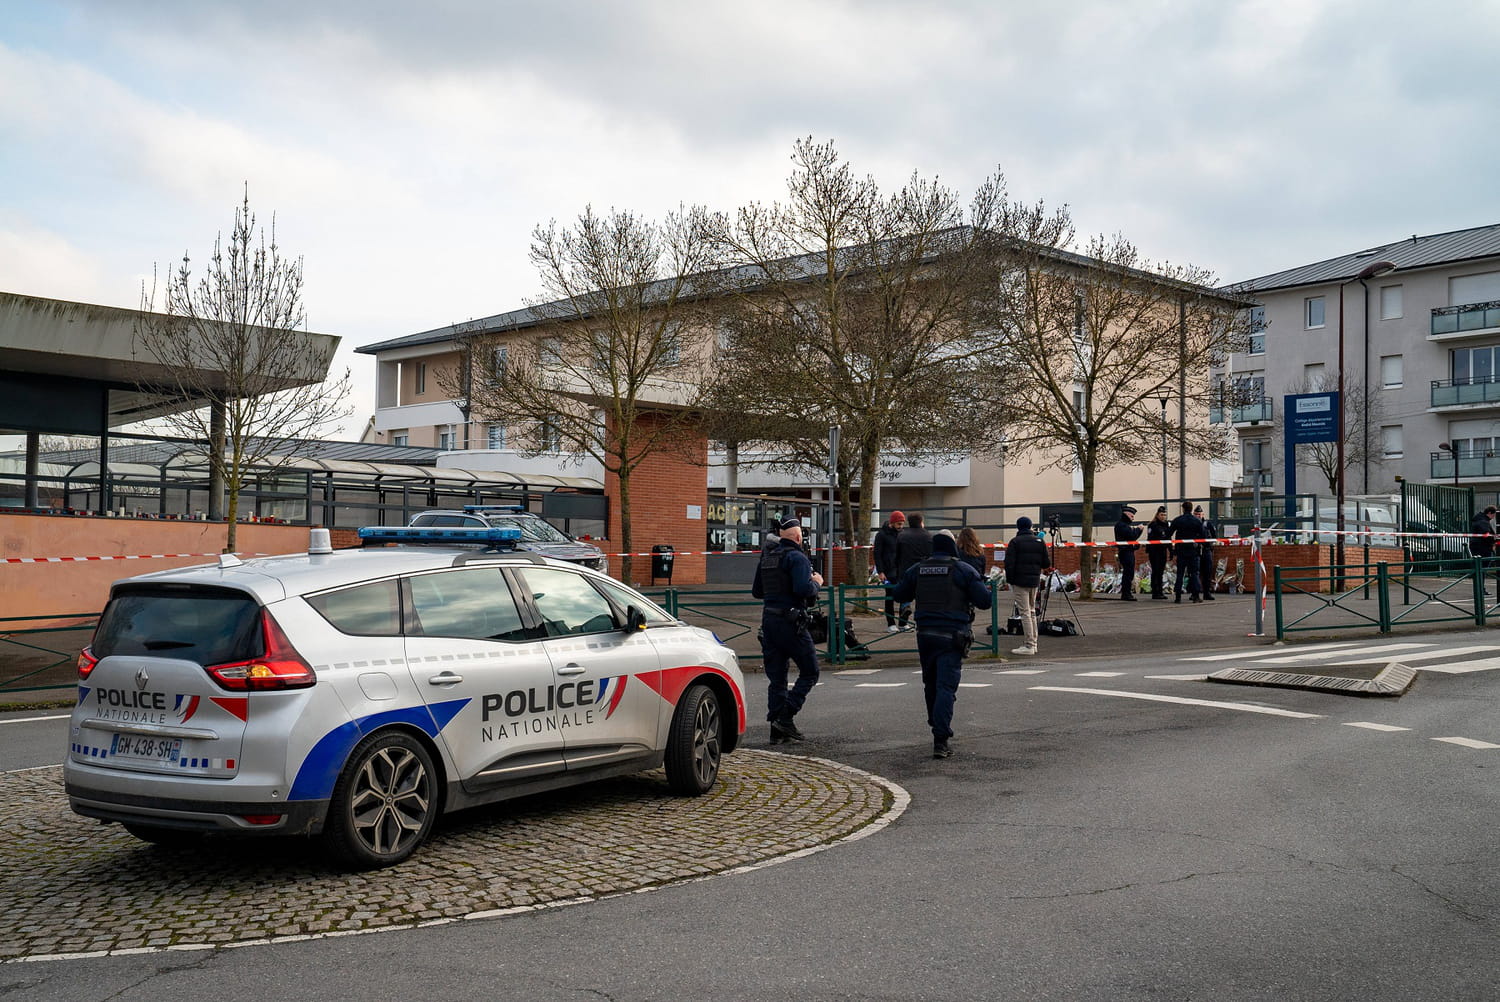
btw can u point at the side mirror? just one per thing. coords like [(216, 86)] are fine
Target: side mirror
[(635, 619)]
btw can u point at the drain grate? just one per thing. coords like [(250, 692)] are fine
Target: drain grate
[(1392, 680)]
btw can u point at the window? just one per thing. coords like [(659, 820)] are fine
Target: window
[(625, 600), (549, 435), (1475, 365), (568, 604), (1312, 374), (400, 437), (446, 437), (212, 626), (1390, 371), (421, 378), (550, 351), (367, 610), (1390, 302), (672, 349), (1391, 441), (1250, 388), (495, 436), (1312, 312), (498, 361), (1474, 448), (1257, 330), (1467, 289), (474, 603)]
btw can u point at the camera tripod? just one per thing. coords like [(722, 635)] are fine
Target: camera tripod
[(1053, 528)]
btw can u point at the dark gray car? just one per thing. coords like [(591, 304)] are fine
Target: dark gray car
[(537, 534)]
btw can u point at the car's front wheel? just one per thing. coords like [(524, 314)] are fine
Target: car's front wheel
[(694, 747), (384, 803)]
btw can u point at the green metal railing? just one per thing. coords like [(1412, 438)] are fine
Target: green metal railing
[(1384, 596), (32, 657)]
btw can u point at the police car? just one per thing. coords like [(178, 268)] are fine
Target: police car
[(537, 534), (357, 695)]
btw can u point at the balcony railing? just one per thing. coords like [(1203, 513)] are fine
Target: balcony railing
[(1241, 414), (1469, 317), (1453, 392), (1486, 466)]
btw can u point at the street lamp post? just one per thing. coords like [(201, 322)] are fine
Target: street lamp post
[(1451, 451), (1163, 396), (1367, 272)]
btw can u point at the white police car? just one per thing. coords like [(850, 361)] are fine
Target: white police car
[(359, 694), (537, 534)]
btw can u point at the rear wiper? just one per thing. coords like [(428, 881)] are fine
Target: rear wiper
[(167, 645)]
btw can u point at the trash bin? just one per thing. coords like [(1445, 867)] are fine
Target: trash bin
[(661, 562)]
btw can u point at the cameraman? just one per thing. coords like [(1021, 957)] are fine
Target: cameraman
[(785, 580)]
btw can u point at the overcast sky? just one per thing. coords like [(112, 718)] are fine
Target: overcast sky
[(408, 149)]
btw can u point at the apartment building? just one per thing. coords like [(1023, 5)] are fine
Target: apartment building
[(1414, 326)]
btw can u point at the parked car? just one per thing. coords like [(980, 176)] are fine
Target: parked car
[(358, 695), (537, 534)]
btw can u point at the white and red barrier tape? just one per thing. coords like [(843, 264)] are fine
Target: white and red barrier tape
[(131, 556)]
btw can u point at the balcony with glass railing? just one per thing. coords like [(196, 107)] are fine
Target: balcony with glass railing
[(1471, 392), (1467, 320), (1470, 466), (1251, 413)]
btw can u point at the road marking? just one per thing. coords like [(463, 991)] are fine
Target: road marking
[(1246, 707), (1367, 725), (1264, 652), (878, 685), (974, 685), (1461, 667), (1437, 652), (856, 671), (29, 720), (1467, 742), (1179, 678), (1292, 659), (1022, 671), (1098, 674)]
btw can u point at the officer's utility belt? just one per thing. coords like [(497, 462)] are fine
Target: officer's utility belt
[(961, 640), (796, 614)]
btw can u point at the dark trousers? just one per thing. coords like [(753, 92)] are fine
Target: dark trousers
[(890, 610), (1206, 569), (1158, 557), (1127, 571), (942, 668), (1187, 572), (782, 640)]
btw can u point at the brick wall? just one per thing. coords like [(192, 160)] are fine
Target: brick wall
[(665, 490)]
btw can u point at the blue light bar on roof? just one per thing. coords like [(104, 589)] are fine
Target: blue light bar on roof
[(494, 507), (499, 539)]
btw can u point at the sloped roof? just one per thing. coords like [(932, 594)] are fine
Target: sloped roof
[(1412, 252)]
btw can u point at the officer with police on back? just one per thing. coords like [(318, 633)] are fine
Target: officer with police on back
[(785, 580), (946, 591), (1126, 534)]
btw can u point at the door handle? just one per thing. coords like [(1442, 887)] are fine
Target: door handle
[(444, 678), (572, 668)]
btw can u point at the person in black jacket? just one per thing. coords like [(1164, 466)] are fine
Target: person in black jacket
[(1187, 530), (1206, 569), (885, 562), (1482, 542), (1158, 531), (1026, 560), (788, 585), (913, 546), (946, 590), (1126, 534)]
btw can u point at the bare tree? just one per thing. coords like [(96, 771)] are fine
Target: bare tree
[(1099, 337), (852, 307), (246, 376), (611, 363)]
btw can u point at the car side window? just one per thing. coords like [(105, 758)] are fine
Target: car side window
[(367, 610), (473, 602), (568, 604), (625, 598)]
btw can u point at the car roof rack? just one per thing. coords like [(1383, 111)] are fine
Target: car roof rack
[(504, 539)]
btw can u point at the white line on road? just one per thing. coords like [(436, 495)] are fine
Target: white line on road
[(1292, 659), (1022, 671), (1263, 652), (1436, 652), (878, 685), (856, 671), (1462, 667), (1247, 707), (1367, 725), (1179, 678), (1467, 742), (29, 720), (1098, 674), (974, 685)]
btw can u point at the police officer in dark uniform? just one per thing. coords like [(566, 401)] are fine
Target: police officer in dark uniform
[(1187, 530), (1126, 534), (1207, 568), (785, 580), (1158, 531), (946, 591)]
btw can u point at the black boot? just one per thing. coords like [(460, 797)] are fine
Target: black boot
[(1178, 599), (784, 730)]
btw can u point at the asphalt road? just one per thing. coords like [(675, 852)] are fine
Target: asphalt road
[(1082, 844)]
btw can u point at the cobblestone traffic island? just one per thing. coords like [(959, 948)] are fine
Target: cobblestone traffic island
[(74, 887)]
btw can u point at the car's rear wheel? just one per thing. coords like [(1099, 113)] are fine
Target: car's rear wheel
[(694, 747), (384, 803), (170, 838)]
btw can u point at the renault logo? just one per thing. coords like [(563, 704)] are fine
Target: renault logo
[(141, 678)]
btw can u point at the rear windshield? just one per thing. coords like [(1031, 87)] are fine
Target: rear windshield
[(533, 529), (210, 626)]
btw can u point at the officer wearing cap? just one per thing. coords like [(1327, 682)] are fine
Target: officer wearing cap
[(1187, 530), (1126, 534), (1207, 571), (946, 591), (1158, 531), (786, 582)]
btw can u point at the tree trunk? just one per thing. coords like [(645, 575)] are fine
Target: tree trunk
[(628, 561), (1085, 553)]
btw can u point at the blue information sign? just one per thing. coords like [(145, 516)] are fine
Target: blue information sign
[(1311, 417)]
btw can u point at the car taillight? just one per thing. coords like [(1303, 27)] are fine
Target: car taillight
[(86, 662), (280, 667)]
